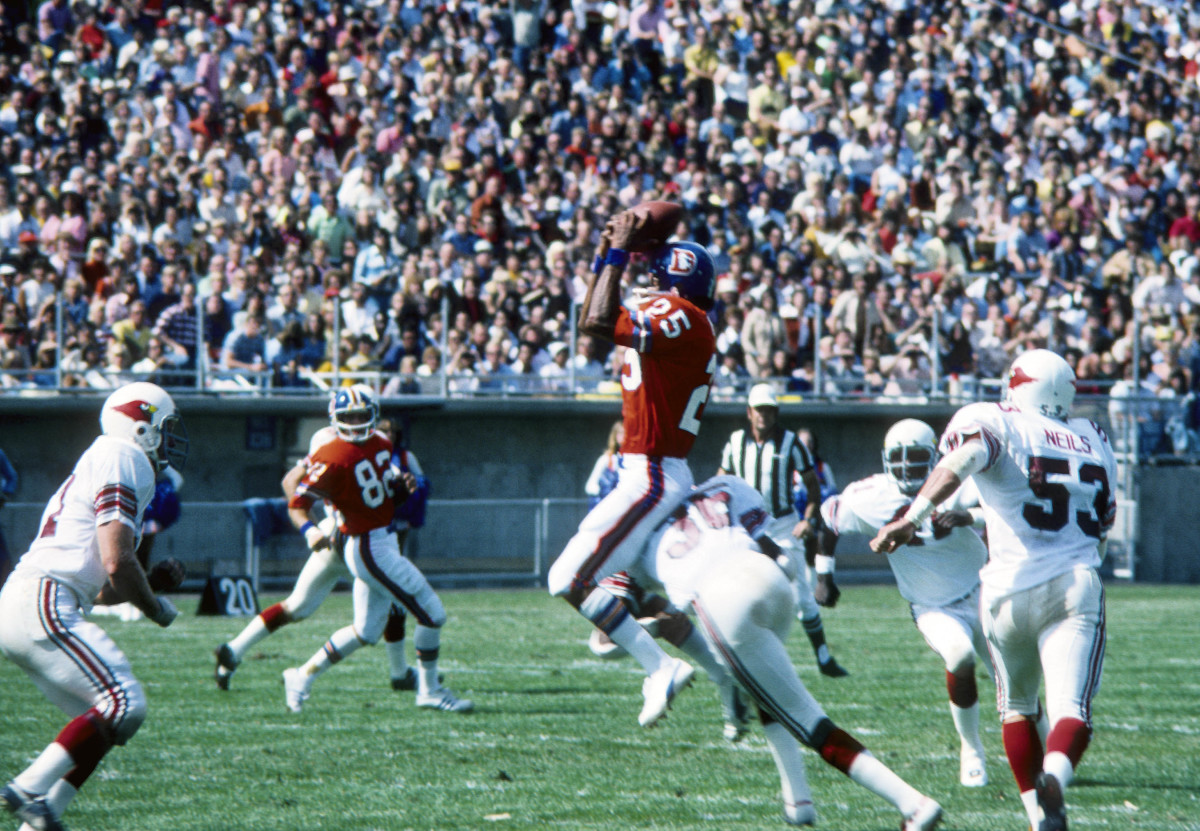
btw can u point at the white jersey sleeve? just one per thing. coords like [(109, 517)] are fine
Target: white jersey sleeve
[(934, 568), (1046, 491), (113, 481)]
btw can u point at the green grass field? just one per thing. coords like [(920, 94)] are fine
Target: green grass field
[(554, 741)]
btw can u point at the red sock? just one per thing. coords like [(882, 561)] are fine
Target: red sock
[(1070, 737), (1024, 750), (275, 616), (840, 749), (86, 740), (963, 692)]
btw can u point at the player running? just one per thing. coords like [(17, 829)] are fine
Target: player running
[(354, 473), (1043, 480), (320, 574), (937, 572), (713, 557), (669, 362), (85, 553)]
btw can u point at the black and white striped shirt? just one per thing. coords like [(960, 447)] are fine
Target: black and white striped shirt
[(770, 467)]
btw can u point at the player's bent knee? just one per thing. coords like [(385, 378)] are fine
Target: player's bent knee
[(959, 662), (130, 716)]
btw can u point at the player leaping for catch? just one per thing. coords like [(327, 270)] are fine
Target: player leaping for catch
[(1043, 480), (669, 361), (354, 473)]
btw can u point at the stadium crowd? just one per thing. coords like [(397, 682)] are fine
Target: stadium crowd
[(884, 184)]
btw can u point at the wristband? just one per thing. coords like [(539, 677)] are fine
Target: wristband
[(824, 564), (617, 257), (597, 265), (304, 528), (919, 511)]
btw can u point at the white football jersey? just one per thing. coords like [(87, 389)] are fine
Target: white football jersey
[(1046, 492), (113, 481), (930, 570), (717, 520)]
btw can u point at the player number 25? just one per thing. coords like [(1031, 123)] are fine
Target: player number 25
[(375, 486)]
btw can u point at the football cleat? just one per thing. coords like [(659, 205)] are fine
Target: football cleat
[(799, 813), (409, 681), (443, 699), (296, 686), (832, 669), (33, 811), (1050, 800), (737, 715), (972, 770), (226, 664), (927, 816), (660, 689)]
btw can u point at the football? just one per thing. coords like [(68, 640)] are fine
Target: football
[(661, 220)]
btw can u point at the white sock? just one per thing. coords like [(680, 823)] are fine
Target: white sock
[(341, 644), (696, 648), (1029, 800), (797, 795), (966, 721), (602, 608), (60, 796), (397, 660), (427, 641), (51, 765), (880, 780), (1059, 766), (254, 632)]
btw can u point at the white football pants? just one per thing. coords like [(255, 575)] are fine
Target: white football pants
[(611, 537), (73, 661), (1053, 631), (381, 578)]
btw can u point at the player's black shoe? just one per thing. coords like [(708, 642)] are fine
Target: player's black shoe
[(226, 664), (1050, 800), (409, 681), (832, 669)]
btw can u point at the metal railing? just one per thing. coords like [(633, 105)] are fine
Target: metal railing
[(470, 542)]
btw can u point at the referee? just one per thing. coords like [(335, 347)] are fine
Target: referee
[(769, 458)]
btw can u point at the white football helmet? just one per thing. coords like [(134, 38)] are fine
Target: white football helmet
[(909, 454), (354, 413), (1040, 381), (144, 414)]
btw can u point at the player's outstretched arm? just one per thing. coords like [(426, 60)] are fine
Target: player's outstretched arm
[(968, 458)]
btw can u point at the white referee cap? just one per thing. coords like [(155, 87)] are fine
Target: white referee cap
[(761, 395)]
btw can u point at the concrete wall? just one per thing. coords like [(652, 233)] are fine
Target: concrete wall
[(1168, 516), (504, 449)]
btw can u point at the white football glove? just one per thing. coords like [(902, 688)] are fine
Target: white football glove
[(166, 613), (315, 538)]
